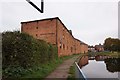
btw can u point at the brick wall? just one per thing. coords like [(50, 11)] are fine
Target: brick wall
[(45, 30), (55, 32), (77, 46), (64, 40), (84, 48)]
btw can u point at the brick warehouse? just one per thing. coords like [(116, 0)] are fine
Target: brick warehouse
[(53, 31)]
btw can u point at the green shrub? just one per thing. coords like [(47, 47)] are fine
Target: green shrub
[(22, 51)]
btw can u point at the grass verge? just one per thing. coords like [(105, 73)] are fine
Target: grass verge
[(43, 70), (112, 54), (72, 73)]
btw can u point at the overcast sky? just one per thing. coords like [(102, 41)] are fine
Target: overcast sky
[(91, 21)]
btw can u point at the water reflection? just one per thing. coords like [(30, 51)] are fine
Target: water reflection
[(100, 66), (112, 64), (83, 61), (101, 58), (91, 58)]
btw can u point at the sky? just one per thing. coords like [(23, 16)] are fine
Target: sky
[(91, 21)]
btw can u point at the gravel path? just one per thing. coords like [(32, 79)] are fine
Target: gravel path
[(62, 71)]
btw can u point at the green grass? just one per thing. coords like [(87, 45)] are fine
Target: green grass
[(72, 73), (46, 69), (112, 54), (41, 71)]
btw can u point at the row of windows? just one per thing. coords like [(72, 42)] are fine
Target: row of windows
[(46, 34), (47, 27), (30, 27), (66, 47)]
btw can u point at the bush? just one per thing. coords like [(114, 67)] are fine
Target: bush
[(24, 52)]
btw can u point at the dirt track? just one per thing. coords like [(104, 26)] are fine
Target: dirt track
[(62, 71)]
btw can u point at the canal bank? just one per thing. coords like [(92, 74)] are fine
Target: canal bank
[(75, 72), (85, 60)]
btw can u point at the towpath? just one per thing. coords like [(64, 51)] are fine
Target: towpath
[(62, 71)]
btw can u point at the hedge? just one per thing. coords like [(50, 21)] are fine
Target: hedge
[(21, 52)]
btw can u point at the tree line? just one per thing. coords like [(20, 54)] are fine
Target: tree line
[(112, 44)]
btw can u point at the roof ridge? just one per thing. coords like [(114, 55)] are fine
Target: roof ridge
[(40, 20)]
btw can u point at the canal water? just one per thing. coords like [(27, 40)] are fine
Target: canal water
[(100, 66)]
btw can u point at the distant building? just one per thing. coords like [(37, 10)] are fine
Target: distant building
[(91, 49), (99, 48), (53, 31)]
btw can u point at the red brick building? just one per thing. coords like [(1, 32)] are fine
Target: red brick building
[(53, 31), (99, 48)]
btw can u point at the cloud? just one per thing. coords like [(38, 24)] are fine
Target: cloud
[(90, 22)]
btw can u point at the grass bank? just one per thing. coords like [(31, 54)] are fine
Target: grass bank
[(72, 73), (46, 69), (41, 71), (112, 54)]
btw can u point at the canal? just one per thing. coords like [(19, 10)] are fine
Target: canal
[(99, 67)]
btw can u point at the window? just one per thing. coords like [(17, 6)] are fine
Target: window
[(60, 45), (36, 35), (71, 49), (36, 27)]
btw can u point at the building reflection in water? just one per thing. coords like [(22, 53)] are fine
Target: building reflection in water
[(112, 64), (100, 66), (101, 58), (83, 61)]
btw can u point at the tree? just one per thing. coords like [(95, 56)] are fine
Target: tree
[(112, 44)]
